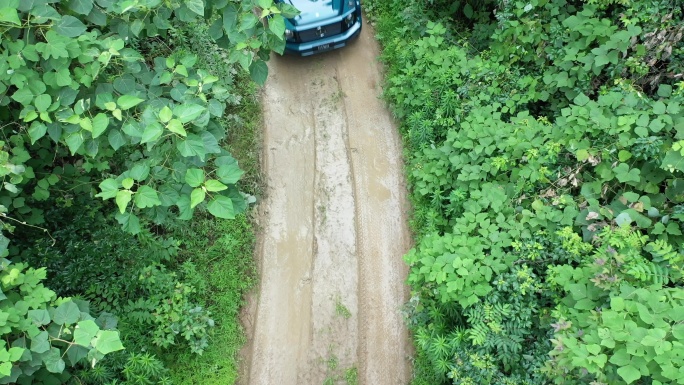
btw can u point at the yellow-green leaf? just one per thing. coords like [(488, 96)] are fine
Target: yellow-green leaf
[(196, 197), (123, 197), (176, 127)]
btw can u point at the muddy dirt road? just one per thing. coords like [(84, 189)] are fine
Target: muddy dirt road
[(333, 227)]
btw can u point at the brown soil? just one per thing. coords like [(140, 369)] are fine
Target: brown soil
[(333, 227)]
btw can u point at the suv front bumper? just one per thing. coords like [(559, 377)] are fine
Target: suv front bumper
[(327, 43)]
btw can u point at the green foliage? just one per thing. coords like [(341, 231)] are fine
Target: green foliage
[(43, 333), (619, 319), (342, 310), (166, 309), (528, 136), (154, 305), (144, 369), (106, 99), (85, 83), (222, 251)]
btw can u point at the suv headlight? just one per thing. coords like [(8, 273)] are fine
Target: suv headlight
[(349, 20), (288, 34)]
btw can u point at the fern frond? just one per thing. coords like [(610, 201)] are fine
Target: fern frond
[(649, 272), (478, 334)]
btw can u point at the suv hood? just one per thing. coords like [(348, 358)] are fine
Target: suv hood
[(313, 11)]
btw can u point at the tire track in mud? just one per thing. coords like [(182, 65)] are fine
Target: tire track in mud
[(333, 227)]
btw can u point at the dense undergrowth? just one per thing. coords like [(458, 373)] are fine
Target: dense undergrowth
[(175, 290), (149, 105), (545, 155)]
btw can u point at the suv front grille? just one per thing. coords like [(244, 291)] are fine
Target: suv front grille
[(320, 32)]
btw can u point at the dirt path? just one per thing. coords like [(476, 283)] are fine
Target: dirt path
[(333, 227)]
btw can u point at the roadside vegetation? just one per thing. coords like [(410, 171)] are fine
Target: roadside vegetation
[(129, 158), (545, 155)]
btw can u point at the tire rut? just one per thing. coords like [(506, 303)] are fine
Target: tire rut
[(333, 227)]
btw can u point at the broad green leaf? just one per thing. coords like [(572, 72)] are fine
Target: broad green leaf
[(176, 127), (39, 317), (468, 10), (678, 329), (184, 209), (76, 353), (85, 331), (128, 101), (229, 174), (15, 353), (116, 139), (624, 155), (152, 133), (165, 114), (129, 222), (192, 146), (146, 197), (659, 108), (140, 172), (581, 100), (288, 11), (277, 25), (5, 369), (108, 187), (196, 197), (123, 197), (582, 155), (230, 16), (127, 183), (10, 15), (221, 207), (213, 185), (258, 71), (196, 6), (66, 314), (107, 341), (211, 145), (36, 131), (137, 26), (216, 29), (42, 102), (594, 349), (86, 124), (53, 361), (69, 26), (168, 196), (100, 123), (181, 70), (188, 112), (107, 320), (23, 96), (40, 342), (673, 160), (30, 116), (74, 142), (248, 21), (63, 77), (194, 177), (216, 108), (82, 7), (624, 174), (617, 303), (665, 90), (629, 373)]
